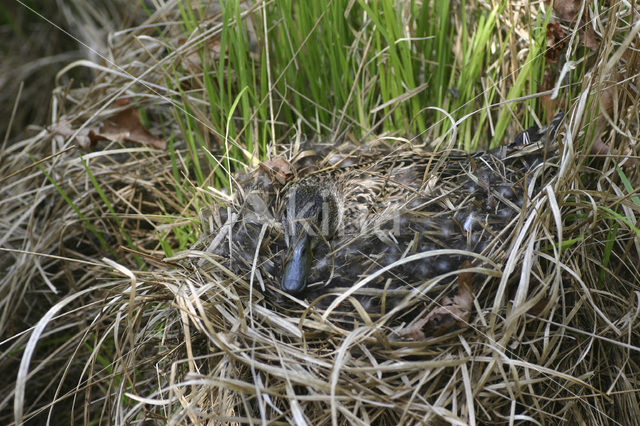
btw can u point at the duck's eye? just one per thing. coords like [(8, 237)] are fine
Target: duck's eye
[(321, 222)]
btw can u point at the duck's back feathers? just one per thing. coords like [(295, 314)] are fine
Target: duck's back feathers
[(392, 202)]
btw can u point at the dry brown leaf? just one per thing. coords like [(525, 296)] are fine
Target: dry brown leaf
[(125, 126), (602, 148), (567, 10), (278, 168), (453, 312)]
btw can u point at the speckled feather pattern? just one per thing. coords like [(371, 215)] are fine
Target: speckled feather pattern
[(394, 201)]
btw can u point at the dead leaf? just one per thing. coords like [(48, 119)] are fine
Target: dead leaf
[(125, 126), (567, 10), (278, 168), (453, 312), (601, 148)]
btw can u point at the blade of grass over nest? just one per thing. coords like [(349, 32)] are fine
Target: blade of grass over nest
[(627, 185), (565, 244), (621, 218), (227, 153)]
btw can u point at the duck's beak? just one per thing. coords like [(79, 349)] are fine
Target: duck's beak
[(296, 270)]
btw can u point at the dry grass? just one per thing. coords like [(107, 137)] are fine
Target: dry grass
[(100, 328)]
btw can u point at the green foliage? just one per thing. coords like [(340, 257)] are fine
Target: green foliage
[(336, 66)]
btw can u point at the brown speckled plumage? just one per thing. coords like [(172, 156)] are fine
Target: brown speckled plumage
[(349, 211)]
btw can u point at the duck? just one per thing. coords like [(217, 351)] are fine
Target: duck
[(318, 222)]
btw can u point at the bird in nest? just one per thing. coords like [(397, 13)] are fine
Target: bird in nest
[(393, 217)]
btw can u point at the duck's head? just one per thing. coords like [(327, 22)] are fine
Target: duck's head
[(311, 215)]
